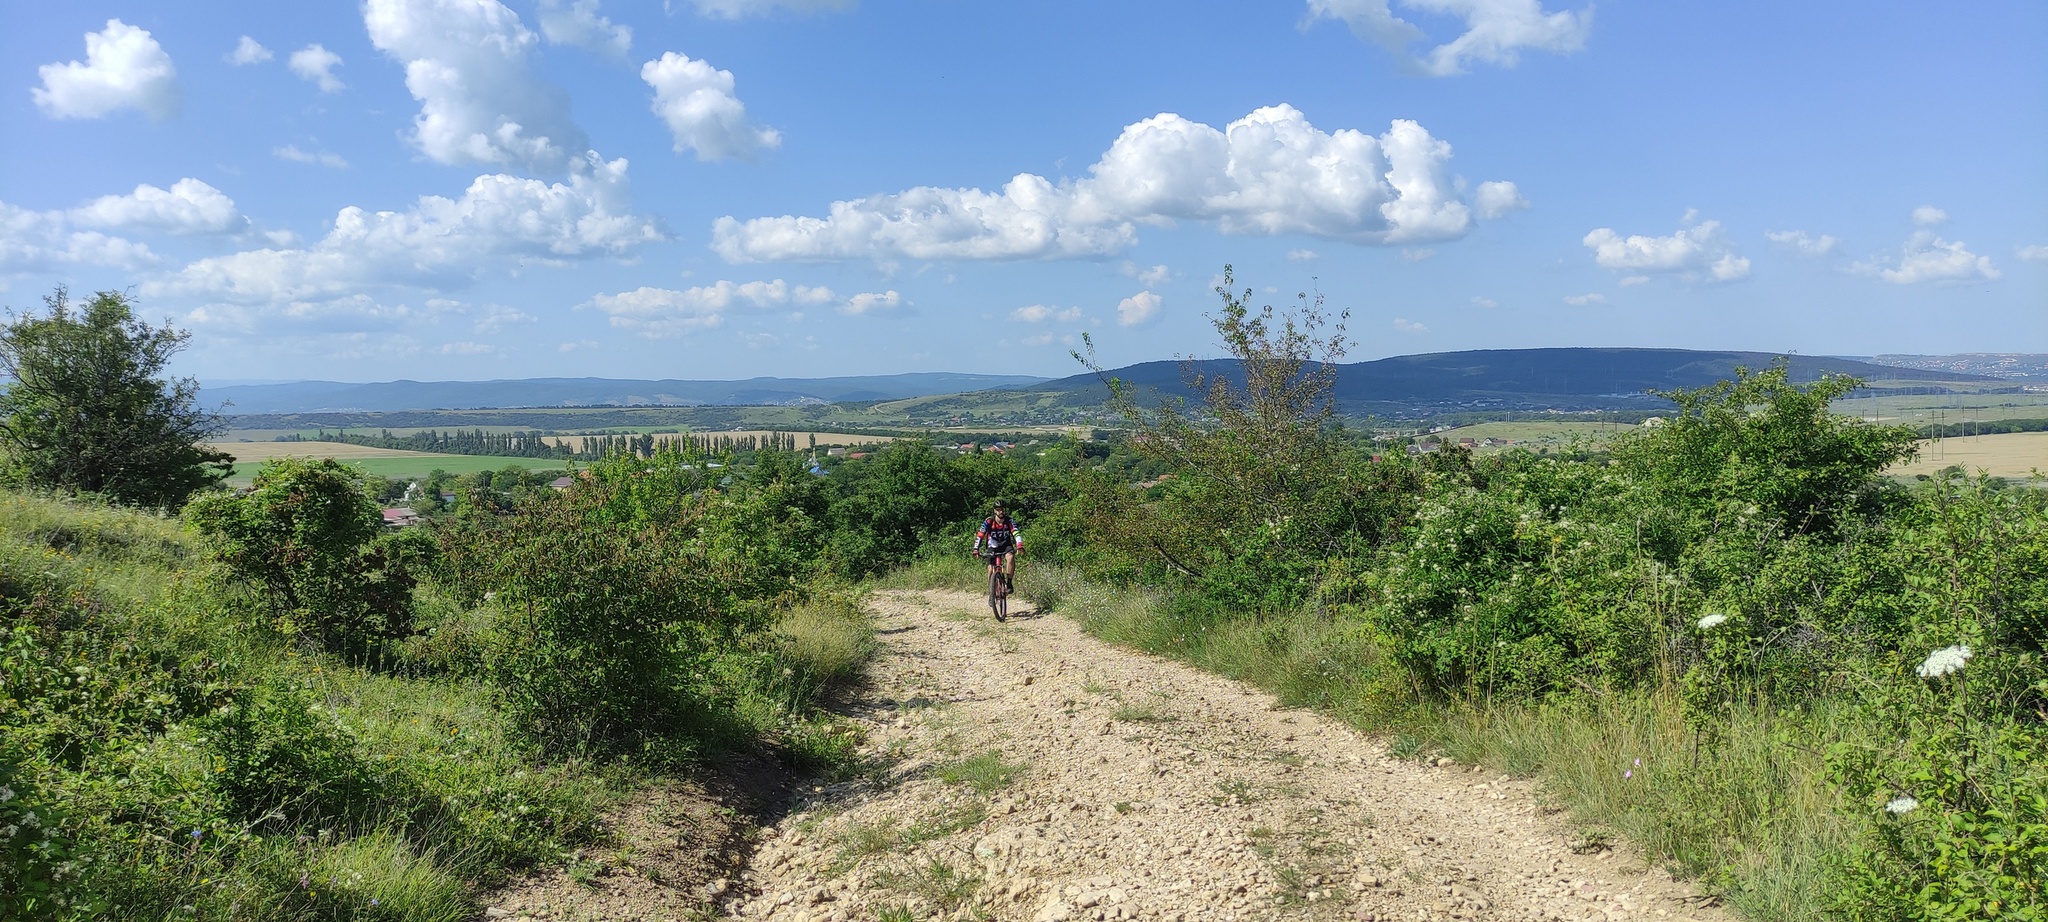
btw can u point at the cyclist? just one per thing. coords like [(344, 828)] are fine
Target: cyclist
[(998, 542)]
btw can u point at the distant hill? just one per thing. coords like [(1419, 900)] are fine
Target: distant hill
[(2016, 365), (396, 396), (1410, 386)]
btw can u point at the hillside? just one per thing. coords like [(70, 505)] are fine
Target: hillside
[(396, 396), (1403, 387), (1414, 386)]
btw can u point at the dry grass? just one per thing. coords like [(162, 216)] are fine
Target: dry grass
[(2007, 454)]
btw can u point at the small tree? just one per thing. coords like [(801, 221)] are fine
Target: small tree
[(311, 539), (87, 407)]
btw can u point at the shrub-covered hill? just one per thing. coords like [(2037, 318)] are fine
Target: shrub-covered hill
[(355, 733)]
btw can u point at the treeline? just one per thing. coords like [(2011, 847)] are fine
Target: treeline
[(1987, 427), (532, 444)]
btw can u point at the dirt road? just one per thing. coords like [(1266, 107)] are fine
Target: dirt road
[(1026, 771)]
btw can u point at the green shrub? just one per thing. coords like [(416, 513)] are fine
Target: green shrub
[(309, 536), (280, 758)]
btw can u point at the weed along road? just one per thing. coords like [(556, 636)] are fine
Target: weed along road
[(1025, 771)]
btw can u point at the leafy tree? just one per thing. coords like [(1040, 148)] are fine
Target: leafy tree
[(88, 409), (1265, 487), (311, 539), (1768, 445)]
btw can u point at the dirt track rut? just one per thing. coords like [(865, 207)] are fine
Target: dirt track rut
[(1115, 785)]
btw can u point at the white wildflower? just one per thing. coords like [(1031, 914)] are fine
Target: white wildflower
[(30, 819), (8, 833), (1711, 622), (1901, 805), (6, 794), (1944, 661)]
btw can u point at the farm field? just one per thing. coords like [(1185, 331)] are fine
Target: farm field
[(1925, 409), (1555, 433), (384, 462), (2006, 454)]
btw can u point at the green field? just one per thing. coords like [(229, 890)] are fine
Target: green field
[(1927, 409), (1540, 431), (417, 465)]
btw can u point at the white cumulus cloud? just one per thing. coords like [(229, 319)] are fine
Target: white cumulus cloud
[(697, 102), (1483, 301), (39, 240), (189, 206), (1696, 253), (1803, 243), (248, 51), (1926, 257), (1301, 255), (874, 302), (659, 313), (1929, 216), (740, 9), (124, 68), (577, 23), (468, 62), (2034, 253), (1585, 299), (1494, 31), (1040, 313), (1266, 174), (316, 64), (324, 158), (1496, 199), (1405, 325), (499, 220), (1137, 309)]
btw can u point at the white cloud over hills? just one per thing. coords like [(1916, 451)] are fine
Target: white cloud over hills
[(1266, 174), (499, 219), (1495, 31), (1926, 257), (42, 240), (124, 68), (667, 313), (469, 64), (1698, 253)]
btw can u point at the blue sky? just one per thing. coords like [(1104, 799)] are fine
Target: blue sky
[(469, 189)]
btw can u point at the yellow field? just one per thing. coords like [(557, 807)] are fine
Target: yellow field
[(340, 451), (2007, 454)]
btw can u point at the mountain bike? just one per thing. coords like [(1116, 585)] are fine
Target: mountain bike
[(998, 586)]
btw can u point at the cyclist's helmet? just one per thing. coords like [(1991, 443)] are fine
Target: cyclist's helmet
[(999, 506)]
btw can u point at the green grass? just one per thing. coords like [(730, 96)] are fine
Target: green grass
[(985, 772)]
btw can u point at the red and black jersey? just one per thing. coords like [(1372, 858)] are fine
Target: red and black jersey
[(999, 535)]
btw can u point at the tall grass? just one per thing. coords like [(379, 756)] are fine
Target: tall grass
[(1749, 813)]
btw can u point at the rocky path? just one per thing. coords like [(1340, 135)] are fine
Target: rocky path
[(1025, 771)]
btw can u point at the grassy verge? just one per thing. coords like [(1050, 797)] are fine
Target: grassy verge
[(1750, 813), (165, 752)]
